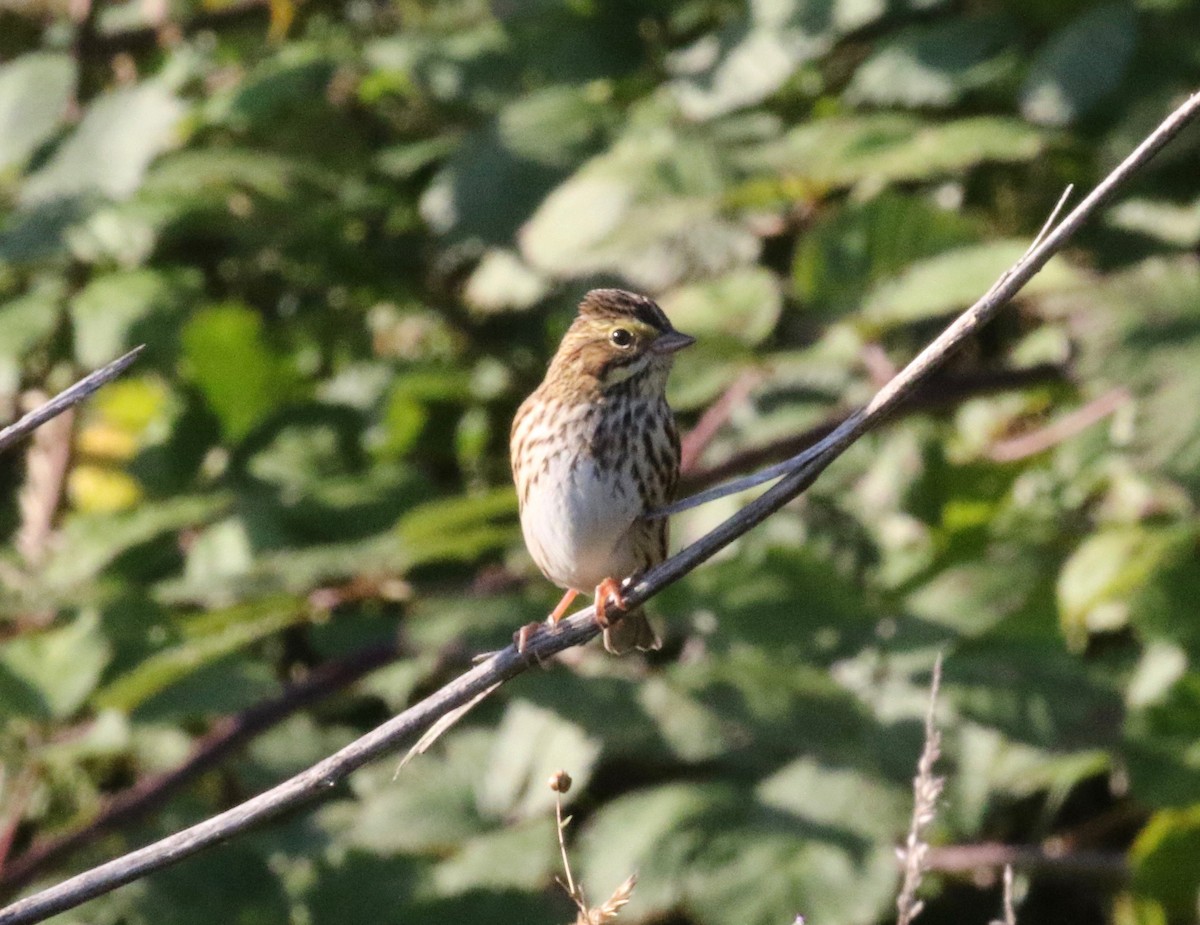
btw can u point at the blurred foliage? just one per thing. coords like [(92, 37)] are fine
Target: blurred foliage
[(351, 235)]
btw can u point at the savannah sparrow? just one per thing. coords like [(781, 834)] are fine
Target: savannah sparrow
[(594, 449)]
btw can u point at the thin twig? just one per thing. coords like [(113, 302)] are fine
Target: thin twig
[(65, 399), (1053, 216), (1009, 908), (1111, 867), (696, 441), (581, 627), (228, 736), (1064, 428), (45, 470)]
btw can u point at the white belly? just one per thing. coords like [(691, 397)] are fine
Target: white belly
[(576, 523)]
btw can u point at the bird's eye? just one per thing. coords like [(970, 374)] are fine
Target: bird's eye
[(621, 337)]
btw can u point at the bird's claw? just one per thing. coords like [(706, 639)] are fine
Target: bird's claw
[(521, 636), (610, 587)]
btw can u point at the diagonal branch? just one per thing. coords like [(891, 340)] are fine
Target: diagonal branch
[(65, 399), (581, 627)]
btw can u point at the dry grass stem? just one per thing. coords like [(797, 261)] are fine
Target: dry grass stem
[(45, 469), (611, 906), (1010, 915), (435, 732), (560, 783), (927, 788)]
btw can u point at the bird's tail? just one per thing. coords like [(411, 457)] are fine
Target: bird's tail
[(632, 631)]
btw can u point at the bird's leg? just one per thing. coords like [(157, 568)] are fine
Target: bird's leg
[(560, 611), (521, 637), (610, 586)]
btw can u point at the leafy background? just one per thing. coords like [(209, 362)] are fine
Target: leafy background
[(351, 235)]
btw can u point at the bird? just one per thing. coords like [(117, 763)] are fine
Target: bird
[(594, 449)]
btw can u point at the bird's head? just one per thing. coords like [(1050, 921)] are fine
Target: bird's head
[(620, 340)]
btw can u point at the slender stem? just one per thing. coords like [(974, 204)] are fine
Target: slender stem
[(1104, 866), (562, 846), (65, 399)]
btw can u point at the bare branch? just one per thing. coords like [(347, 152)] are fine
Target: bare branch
[(1044, 860), (582, 627), (66, 399), (1064, 428)]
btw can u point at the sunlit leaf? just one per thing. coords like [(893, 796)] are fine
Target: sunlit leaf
[(743, 305), (117, 311), (1080, 66), (1166, 861), (58, 668), (955, 279), (35, 91), (933, 66), (109, 151), (531, 744), (229, 358)]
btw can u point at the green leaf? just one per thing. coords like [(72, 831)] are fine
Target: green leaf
[(847, 798), (205, 639), (459, 529), (742, 305), (350, 885), (89, 544), (955, 279), (25, 323), (58, 668), (236, 885), (742, 66), (274, 90), (229, 359), (291, 570), (1058, 706), (851, 249), (1166, 862), (933, 65), (109, 151), (704, 848), (117, 311), (645, 209), (430, 805), (502, 282), (1171, 223), (35, 92), (1162, 744), (888, 148), (756, 599), (1080, 66), (521, 856), (1108, 570), (530, 745), (498, 175), (1143, 332)]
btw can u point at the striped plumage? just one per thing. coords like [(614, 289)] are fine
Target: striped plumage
[(595, 447)]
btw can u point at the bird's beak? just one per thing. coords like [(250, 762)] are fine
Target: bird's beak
[(671, 341)]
